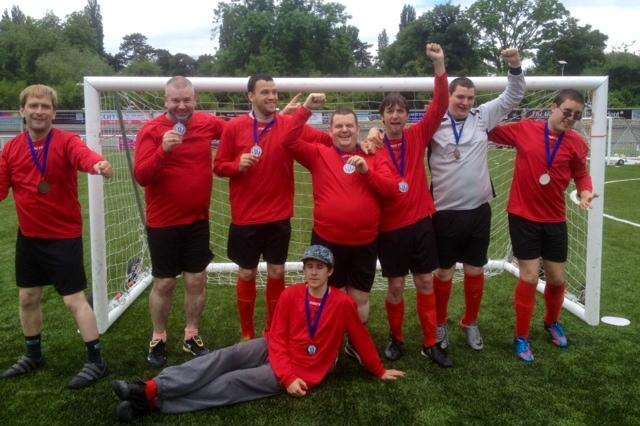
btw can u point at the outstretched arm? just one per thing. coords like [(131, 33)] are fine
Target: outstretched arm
[(438, 106), (493, 111)]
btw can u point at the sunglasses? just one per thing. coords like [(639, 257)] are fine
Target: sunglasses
[(575, 115)]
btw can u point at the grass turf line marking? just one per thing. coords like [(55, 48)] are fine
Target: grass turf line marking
[(628, 222), (621, 180)]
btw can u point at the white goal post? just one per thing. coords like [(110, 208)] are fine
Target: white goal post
[(109, 307)]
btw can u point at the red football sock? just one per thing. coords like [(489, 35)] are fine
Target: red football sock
[(525, 305), (275, 287), (442, 290), (473, 289), (151, 392), (395, 316), (246, 293), (554, 298), (426, 304)]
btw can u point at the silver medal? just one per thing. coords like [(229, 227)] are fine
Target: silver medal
[(456, 154), (544, 179), (348, 168), (256, 151), (312, 350), (180, 129), (403, 186)]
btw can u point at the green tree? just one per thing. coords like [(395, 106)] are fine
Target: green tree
[(69, 64), (294, 37), (134, 48), (142, 67), (407, 16), (623, 69), (383, 42), (92, 11), (79, 32), (525, 24), (444, 24), (580, 46)]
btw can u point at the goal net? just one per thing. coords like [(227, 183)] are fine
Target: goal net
[(120, 259)]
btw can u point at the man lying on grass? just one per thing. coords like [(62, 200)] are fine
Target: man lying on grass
[(300, 349)]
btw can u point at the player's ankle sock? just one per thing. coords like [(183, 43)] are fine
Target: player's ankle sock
[(554, 298), (246, 293), (525, 304), (473, 289), (151, 392), (93, 351), (395, 316), (426, 304), (275, 287), (442, 290), (190, 333), (34, 346)]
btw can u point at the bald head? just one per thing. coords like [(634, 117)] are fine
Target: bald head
[(179, 98)]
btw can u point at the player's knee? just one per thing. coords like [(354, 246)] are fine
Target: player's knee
[(29, 301), (164, 288), (247, 274), (445, 274), (276, 272), (76, 302), (529, 276), (424, 283)]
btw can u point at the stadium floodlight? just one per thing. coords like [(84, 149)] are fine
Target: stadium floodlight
[(120, 260)]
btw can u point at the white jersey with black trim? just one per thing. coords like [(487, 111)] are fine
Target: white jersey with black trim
[(460, 174)]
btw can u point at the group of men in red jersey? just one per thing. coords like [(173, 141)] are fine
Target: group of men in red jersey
[(368, 204)]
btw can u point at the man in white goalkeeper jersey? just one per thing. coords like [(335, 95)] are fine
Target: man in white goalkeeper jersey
[(462, 190)]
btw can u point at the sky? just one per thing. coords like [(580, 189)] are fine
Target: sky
[(185, 27)]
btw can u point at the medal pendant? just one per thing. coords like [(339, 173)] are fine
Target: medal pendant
[(44, 187), (544, 179), (456, 154), (403, 186), (348, 168), (312, 349), (180, 129), (256, 151)]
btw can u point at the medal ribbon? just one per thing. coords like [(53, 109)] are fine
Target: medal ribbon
[(42, 167), (313, 325), (402, 167), (256, 136), (454, 127), (547, 145)]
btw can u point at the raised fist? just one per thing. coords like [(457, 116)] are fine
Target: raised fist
[(434, 52), (512, 56), (315, 101)]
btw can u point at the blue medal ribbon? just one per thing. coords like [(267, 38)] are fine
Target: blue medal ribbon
[(457, 136), (551, 155), (401, 167), (41, 166), (313, 325), (256, 136)]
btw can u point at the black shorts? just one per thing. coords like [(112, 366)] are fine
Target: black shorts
[(463, 236), (41, 262), (412, 248), (532, 240), (247, 242), (178, 249), (355, 266)]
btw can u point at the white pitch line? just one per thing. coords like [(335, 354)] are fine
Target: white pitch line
[(621, 180), (608, 216)]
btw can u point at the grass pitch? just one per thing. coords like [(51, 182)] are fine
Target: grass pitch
[(595, 381)]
